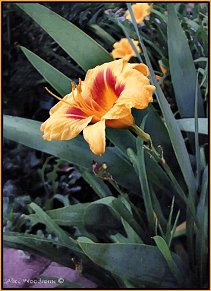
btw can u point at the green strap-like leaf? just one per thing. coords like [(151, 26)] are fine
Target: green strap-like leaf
[(53, 227), (76, 151), (96, 217), (141, 264), (183, 72), (39, 246), (60, 82), (202, 248), (164, 249), (104, 35), (188, 124), (82, 48)]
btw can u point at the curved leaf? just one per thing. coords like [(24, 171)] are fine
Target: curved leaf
[(76, 151), (144, 265), (63, 238), (81, 47), (98, 217), (38, 245), (60, 82), (164, 249)]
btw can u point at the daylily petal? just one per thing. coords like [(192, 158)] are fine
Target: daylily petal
[(60, 127), (115, 66), (68, 98), (125, 122), (104, 89), (138, 98), (137, 92), (117, 112), (119, 117), (141, 68), (120, 53), (95, 136)]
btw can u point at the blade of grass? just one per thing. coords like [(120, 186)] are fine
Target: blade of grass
[(155, 47), (122, 210), (179, 149), (160, 15), (42, 171), (190, 222), (141, 264), (62, 60)]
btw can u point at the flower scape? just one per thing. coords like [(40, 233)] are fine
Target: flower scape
[(103, 99)]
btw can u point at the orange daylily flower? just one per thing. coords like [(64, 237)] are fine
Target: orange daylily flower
[(104, 98), (140, 11), (122, 49)]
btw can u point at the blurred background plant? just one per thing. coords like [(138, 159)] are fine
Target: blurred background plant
[(114, 213)]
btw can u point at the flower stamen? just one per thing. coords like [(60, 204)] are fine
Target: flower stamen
[(80, 103), (60, 99)]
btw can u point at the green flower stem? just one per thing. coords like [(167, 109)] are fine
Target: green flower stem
[(159, 158), (138, 131), (116, 186)]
